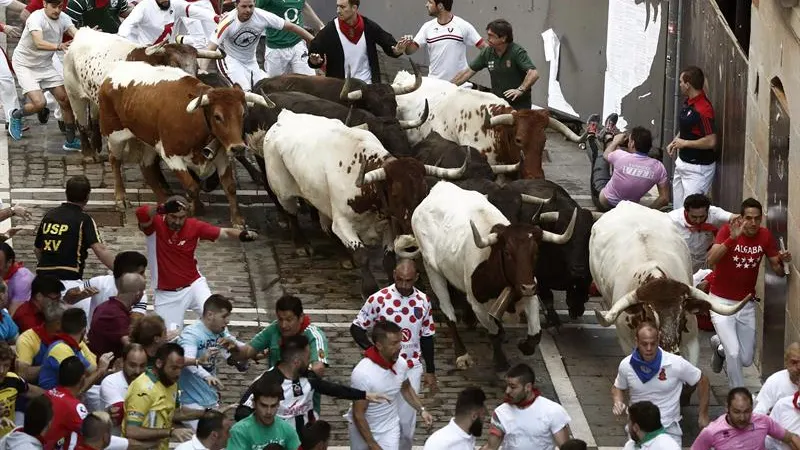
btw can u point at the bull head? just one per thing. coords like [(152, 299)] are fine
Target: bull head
[(490, 121), (408, 124), (157, 48), (400, 90)]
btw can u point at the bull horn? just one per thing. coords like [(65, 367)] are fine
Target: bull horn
[(480, 241), (262, 100), (208, 54), (608, 318), (449, 174), (549, 216), (564, 237), (499, 169), (400, 90), (596, 215), (363, 126), (364, 178), (526, 198), (406, 246), (408, 124), (349, 116), (500, 119), (563, 129), (718, 307), (197, 103), (157, 48), (346, 94)]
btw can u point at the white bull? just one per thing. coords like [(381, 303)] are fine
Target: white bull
[(467, 242), (643, 270)]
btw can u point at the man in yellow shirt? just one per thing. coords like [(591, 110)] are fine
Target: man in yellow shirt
[(152, 400), (11, 388)]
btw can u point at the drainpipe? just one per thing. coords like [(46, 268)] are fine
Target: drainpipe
[(671, 79)]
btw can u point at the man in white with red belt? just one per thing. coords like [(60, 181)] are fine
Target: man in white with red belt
[(526, 420), (384, 371), (782, 383), (410, 309), (173, 238), (651, 374), (736, 258)]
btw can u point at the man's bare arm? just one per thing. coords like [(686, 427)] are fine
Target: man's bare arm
[(663, 197), (463, 76), (359, 410), (105, 255)]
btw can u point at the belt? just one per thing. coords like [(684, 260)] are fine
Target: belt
[(696, 162), (176, 289)]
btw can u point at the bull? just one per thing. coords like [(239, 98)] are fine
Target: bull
[(363, 194), (147, 112), (643, 270), (467, 242), (87, 62)]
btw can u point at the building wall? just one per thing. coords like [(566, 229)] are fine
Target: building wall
[(775, 53)]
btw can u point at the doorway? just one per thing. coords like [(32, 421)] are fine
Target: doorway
[(775, 289)]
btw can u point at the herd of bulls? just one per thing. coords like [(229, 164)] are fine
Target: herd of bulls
[(370, 159)]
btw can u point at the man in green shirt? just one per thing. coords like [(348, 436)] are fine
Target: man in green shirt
[(103, 14), (285, 51), (262, 427), (510, 68)]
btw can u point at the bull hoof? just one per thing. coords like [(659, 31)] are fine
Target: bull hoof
[(528, 345), (346, 264), (304, 251), (576, 311), (551, 318), (464, 361)]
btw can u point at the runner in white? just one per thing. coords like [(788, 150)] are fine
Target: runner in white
[(149, 23), (467, 425), (787, 413), (446, 37), (195, 22), (285, 52), (645, 429), (383, 371), (698, 222), (526, 420), (410, 309), (782, 383), (237, 35)]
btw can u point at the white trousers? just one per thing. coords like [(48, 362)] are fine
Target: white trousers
[(172, 305), (246, 75), (388, 440), (688, 179), (8, 89), (407, 413), (737, 335), (280, 61)]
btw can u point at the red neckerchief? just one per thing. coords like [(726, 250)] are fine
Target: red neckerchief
[(303, 325), (73, 344), (100, 4), (44, 336), (12, 270), (699, 228), (525, 403), (353, 34), (375, 356), (794, 400)]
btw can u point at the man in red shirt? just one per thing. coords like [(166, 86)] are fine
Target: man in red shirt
[(172, 239), (111, 321), (68, 411), (736, 257), (44, 289)]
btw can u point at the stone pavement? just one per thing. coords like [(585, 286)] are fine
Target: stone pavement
[(575, 366)]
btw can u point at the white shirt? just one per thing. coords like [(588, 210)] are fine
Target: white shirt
[(412, 314), (785, 413), (370, 377), (355, 56), (195, 18), (699, 241), (777, 386), (240, 39), (147, 23), (112, 391), (192, 444), (660, 442), (664, 389), (447, 45), (532, 427), (26, 54), (107, 288), (451, 437)]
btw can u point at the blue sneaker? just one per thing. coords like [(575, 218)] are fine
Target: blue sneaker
[(15, 128), (73, 146)]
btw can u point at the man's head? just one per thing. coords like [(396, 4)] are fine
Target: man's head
[(640, 140), (38, 416), (470, 408), (435, 7), (752, 214), (53, 312), (96, 430), (573, 444), (163, 4), (7, 258), (52, 9), (388, 339), (289, 311), (6, 359), (267, 397), (696, 208), (149, 331), (499, 33), (296, 353), (405, 275), (134, 362), (213, 430), (347, 9), (791, 361), (315, 436), (691, 80), (71, 372), (643, 417), (73, 323), (740, 407), (217, 313), (78, 187), (130, 288), (647, 340), (129, 262), (519, 383), (169, 363), (244, 9), (176, 208), (46, 289)]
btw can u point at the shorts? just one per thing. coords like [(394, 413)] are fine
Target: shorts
[(172, 305), (245, 75), (37, 79), (280, 61)]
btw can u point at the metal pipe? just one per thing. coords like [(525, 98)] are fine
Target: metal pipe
[(671, 79)]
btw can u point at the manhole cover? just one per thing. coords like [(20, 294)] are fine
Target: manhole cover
[(106, 218)]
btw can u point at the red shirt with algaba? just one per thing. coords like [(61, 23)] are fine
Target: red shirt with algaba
[(735, 275)]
